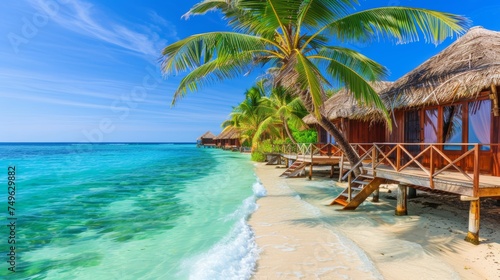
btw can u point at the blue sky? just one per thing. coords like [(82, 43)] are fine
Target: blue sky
[(87, 70)]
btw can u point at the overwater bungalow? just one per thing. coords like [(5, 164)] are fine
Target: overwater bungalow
[(360, 124), (228, 139), (446, 130), (206, 140)]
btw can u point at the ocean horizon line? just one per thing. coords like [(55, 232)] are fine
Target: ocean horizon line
[(96, 143)]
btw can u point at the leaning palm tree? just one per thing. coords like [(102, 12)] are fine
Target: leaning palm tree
[(282, 109), (302, 45), (248, 116)]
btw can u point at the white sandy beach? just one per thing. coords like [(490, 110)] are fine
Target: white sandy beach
[(301, 238)]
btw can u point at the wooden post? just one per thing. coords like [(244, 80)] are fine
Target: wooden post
[(332, 170), (341, 167), (349, 180), (311, 171), (475, 190), (374, 160), (473, 234), (376, 195), (431, 168), (402, 201), (412, 192), (494, 97), (398, 157)]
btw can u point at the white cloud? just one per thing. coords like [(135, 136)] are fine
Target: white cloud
[(86, 19)]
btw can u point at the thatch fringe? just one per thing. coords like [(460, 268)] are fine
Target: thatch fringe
[(207, 135), (465, 68), (344, 105), (229, 132)]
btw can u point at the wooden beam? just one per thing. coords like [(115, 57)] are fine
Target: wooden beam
[(473, 234), (494, 97), (468, 198), (402, 200)]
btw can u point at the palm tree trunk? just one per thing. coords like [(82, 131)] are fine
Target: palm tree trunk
[(340, 139)]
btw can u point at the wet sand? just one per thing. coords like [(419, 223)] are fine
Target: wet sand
[(302, 238)]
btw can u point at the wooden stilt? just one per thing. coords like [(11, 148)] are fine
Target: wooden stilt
[(402, 201), (412, 192), (473, 234), (332, 171), (341, 167), (376, 195), (310, 171)]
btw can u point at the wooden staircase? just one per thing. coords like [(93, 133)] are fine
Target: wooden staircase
[(273, 159), (361, 188), (294, 169)]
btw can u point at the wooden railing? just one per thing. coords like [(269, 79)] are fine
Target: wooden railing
[(308, 149), (429, 158)]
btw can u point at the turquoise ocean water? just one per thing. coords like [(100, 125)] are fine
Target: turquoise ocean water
[(128, 211)]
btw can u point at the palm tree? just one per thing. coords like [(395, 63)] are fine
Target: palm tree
[(282, 109), (248, 116), (301, 42)]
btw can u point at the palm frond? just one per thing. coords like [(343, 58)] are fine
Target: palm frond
[(207, 6), (404, 24), (366, 67), (309, 80), (219, 69), (191, 52), (356, 84)]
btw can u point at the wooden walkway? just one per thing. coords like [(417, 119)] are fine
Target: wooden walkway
[(393, 163), (452, 182)]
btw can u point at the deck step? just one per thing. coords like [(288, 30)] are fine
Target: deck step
[(358, 193), (294, 169), (364, 183)]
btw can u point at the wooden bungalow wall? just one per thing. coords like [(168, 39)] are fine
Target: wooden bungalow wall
[(489, 161), (356, 131), (366, 132)]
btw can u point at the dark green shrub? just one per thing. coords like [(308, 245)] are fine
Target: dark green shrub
[(258, 156)]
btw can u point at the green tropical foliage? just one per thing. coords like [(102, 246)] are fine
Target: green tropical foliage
[(247, 116), (302, 45), (283, 111), (264, 115), (306, 136)]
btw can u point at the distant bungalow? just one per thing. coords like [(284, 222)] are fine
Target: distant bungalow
[(228, 139), (206, 140), (445, 131)]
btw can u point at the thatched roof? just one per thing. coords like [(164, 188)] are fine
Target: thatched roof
[(207, 135), (228, 133), (462, 70), (344, 105)]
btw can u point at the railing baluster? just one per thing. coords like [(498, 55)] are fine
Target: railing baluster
[(398, 157), (349, 180), (431, 169), (476, 170)]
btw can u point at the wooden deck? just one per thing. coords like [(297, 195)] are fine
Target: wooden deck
[(427, 168), (452, 182), (315, 159)]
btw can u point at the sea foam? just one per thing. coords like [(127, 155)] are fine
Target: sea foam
[(236, 255)]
